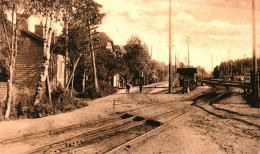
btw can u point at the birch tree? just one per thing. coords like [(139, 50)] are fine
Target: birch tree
[(74, 13), (50, 13), (19, 11)]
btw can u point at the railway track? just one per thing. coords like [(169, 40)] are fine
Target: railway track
[(120, 124), (129, 123), (71, 127), (103, 121), (218, 92)]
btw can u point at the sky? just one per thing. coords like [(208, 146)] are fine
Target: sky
[(218, 29), (221, 29)]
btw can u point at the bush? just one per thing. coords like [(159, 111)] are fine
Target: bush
[(91, 93), (22, 105), (105, 89)]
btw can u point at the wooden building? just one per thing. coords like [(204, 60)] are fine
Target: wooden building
[(187, 78), (29, 60)]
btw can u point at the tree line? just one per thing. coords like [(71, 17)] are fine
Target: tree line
[(234, 67)]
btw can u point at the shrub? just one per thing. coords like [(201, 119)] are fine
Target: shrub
[(62, 100), (22, 105), (90, 92), (104, 90)]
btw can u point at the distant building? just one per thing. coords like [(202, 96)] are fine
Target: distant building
[(187, 78), (105, 42)]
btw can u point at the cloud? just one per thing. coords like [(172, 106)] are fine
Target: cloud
[(215, 26), (184, 17)]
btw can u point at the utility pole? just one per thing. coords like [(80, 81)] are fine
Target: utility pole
[(259, 52), (163, 72), (231, 68), (188, 42), (254, 70), (224, 68), (212, 69), (175, 65), (93, 56), (151, 52), (241, 67), (170, 47), (228, 63), (244, 67)]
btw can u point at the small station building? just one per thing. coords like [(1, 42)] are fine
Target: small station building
[(187, 78)]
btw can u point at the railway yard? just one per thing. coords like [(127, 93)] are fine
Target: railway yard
[(210, 119)]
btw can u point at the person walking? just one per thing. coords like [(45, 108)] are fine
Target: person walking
[(128, 86), (141, 85)]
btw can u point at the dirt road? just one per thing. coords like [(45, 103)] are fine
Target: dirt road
[(228, 126)]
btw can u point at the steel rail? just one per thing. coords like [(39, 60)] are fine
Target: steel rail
[(165, 124)]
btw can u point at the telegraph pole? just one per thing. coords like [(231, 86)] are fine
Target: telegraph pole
[(241, 67), (228, 63), (92, 56), (170, 47), (231, 68), (151, 51), (244, 66), (254, 70), (188, 42), (212, 64), (175, 70)]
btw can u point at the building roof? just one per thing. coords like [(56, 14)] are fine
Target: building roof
[(103, 39), (117, 47), (37, 37), (32, 35), (186, 71)]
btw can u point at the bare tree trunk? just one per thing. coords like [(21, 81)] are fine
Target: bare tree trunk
[(9, 94), (94, 69), (46, 57), (72, 84), (11, 62), (84, 82), (48, 87), (73, 71), (66, 50)]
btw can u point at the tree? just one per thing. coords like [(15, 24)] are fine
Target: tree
[(20, 10), (137, 56), (240, 66), (80, 11), (78, 48), (216, 73), (78, 14), (107, 64), (47, 34)]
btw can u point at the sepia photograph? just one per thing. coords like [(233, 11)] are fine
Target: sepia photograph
[(130, 76)]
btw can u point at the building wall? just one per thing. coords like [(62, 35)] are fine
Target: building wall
[(117, 82), (60, 70), (28, 64), (109, 46)]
